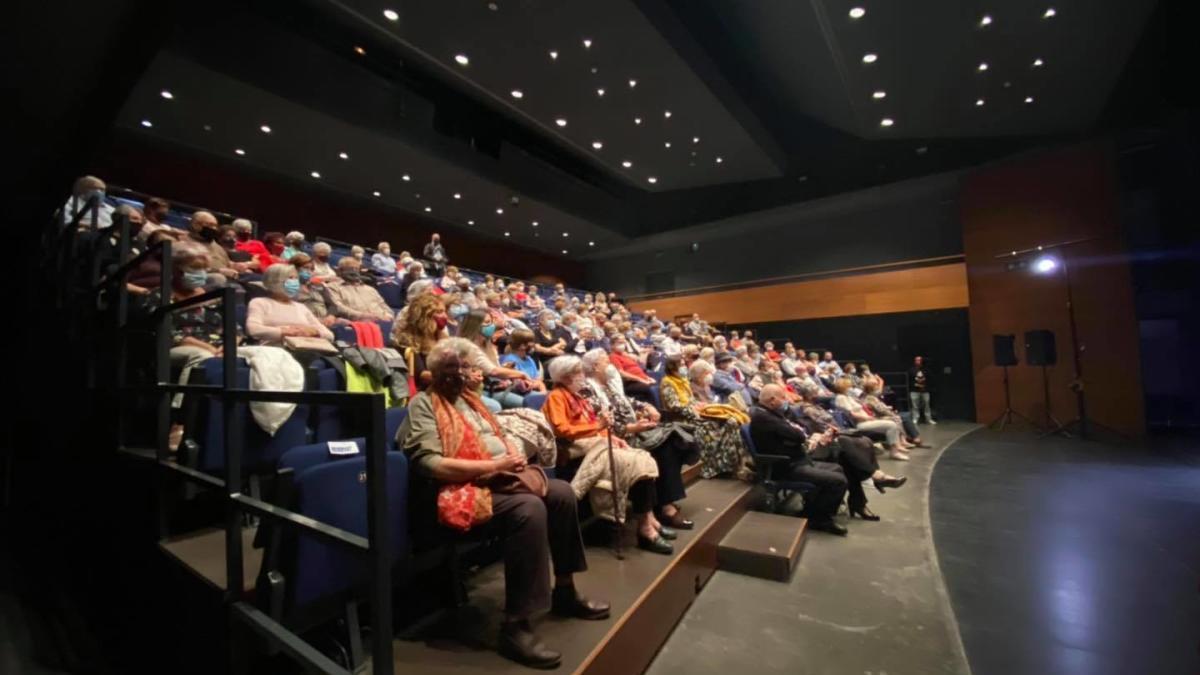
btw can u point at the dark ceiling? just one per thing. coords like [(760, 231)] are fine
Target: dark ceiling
[(777, 91)]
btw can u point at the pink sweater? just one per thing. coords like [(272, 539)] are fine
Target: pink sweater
[(265, 316)]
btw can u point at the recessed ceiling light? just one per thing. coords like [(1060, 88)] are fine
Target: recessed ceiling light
[(1038, 63), (566, 234), (265, 129), (632, 84), (564, 251), (343, 155), (470, 222), (457, 195), (983, 66), (719, 160), (562, 121), (165, 93), (208, 127), (499, 212), (534, 223), (695, 139), (147, 124), (870, 57), (377, 193), (391, 15), (651, 179), (600, 92), (493, 6), (1050, 12), (591, 243), (627, 164), (360, 51), (428, 209), (462, 60), (667, 114), (886, 122), (637, 120), (986, 20), (587, 44), (596, 145), (406, 178), (978, 102), (517, 93), (315, 174), (857, 12), (506, 234), (1029, 99), (802, 178), (879, 94), (239, 151), (667, 144), (553, 55), (1007, 84)]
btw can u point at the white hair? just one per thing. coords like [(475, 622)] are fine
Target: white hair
[(275, 275), (356, 249), (242, 225), (185, 252), (418, 288), (321, 248), (463, 348), (563, 367), (294, 235), (593, 358), (699, 369)]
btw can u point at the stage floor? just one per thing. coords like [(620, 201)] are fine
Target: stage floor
[(873, 602)]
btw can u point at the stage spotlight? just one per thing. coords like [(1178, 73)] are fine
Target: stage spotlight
[(1045, 265)]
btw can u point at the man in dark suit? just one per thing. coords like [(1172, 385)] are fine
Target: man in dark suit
[(774, 434)]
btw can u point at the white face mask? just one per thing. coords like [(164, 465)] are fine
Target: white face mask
[(708, 380), (575, 383)]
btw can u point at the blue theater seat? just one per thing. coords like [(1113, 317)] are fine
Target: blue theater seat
[(393, 295), (392, 419), (329, 422), (765, 467)]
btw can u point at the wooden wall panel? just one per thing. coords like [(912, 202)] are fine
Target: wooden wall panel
[(909, 290), (1061, 196)]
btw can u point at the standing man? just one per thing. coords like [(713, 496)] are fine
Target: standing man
[(436, 255), (918, 391)]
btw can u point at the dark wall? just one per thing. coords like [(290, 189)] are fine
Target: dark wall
[(909, 221), (278, 204), (889, 342)]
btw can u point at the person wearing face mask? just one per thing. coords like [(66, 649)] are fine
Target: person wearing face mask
[(550, 339), (520, 357), (294, 243), (354, 300), (724, 384), (312, 291), (275, 245), (243, 231), (637, 383), (205, 232), (451, 438), (456, 309), (435, 253), (271, 319), (584, 436), (415, 273), (82, 192), (321, 267), (479, 328), (719, 440), (358, 253), (382, 262), (449, 280), (774, 434), (422, 323)]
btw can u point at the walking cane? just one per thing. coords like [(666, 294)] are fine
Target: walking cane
[(612, 470)]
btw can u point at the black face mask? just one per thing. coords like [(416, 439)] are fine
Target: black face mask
[(210, 234), (351, 276)]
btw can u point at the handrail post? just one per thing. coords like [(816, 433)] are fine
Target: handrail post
[(162, 403), (379, 536), (234, 588)]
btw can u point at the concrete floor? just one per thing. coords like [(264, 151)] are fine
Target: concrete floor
[(872, 603)]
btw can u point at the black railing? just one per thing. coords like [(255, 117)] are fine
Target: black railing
[(64, 254)]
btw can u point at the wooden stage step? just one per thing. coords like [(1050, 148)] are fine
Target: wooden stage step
[(763, 545)]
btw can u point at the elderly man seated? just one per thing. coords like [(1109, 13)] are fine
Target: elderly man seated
[(352, 299), (774, 434), (452, 438)]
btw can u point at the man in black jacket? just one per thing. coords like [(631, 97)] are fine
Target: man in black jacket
[(774, 434)]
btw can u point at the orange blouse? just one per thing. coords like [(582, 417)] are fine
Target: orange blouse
[(570, 416)]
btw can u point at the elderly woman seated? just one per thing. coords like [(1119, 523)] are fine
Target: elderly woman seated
[(353, 299), (640, 424), (583, 434), (321, 253), (453, 439), (271, 319), (506, 387), (871, 388), (686, 397), (382, 261), (866, 421), (312, 289)]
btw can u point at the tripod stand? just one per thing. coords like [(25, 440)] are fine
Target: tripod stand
[(1053, 426), (1006, 416)]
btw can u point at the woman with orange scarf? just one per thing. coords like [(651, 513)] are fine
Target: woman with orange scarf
[(451, 437), (584, 435)]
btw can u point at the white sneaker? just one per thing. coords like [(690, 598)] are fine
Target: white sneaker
[(932, 422)]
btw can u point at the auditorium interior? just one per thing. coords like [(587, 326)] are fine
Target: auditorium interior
[(824, 337)]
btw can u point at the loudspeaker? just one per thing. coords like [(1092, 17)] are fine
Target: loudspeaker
[(1039, 348), (1003, 351)]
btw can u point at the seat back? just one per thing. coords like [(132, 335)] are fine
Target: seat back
[(344, 333), (392, 419), (393, 295), (329, 422), (303, 457), (259, 449)]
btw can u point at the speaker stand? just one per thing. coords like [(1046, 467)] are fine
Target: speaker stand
[(1054, 427), (1006, 417)]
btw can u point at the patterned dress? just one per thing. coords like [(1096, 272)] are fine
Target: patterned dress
[(720, 441)]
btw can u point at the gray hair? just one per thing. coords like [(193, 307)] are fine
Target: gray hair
[(356, 249), (294, 235), (126, 210), (321, 248), (275, 275), (699, 369), (741, 350), (444, 348), (593, 358), (242, 225), (185, 252), (547, 313), (562, 367), (418, 288)]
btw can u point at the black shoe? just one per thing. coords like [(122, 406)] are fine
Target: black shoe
[(565, 601), (667, 533), (863, 513), (519, 643), (655, 545), (889, 483), (828, 526)]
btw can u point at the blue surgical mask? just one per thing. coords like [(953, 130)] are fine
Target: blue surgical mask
[(195, 279), (291, 288), (488, 330), (305, 276), (458, 311), (551, 325)]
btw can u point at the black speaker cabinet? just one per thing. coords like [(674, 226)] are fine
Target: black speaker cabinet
[(1039, 348), (1004, 351)]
